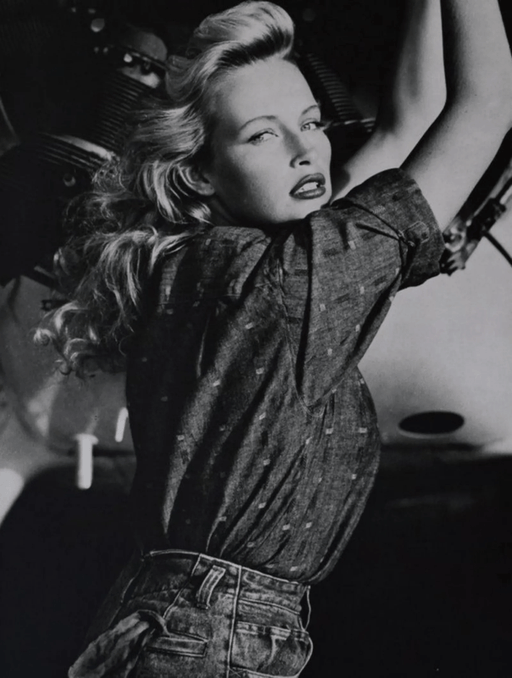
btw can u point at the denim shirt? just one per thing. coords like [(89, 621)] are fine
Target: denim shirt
[(255, 434)]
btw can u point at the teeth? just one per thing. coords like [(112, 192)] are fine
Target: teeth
[(310, 186)]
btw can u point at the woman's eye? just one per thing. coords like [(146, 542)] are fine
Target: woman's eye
[(312, 125), (261, 136)]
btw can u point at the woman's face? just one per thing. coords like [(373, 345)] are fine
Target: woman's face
[(271, 158)]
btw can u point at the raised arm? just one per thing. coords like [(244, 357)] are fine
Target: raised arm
[(458, 147), (411, 101)]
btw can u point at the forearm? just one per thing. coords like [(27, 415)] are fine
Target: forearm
[(416, 91), (412, 97), (457, 149), (478, 64)]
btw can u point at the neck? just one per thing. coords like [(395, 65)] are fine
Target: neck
[(221, 216)]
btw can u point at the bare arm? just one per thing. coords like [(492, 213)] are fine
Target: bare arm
[(413, 99), (456, 150)]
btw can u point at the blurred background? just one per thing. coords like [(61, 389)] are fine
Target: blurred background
[(424, 588)]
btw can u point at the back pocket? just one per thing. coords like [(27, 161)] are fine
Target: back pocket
[(269, 651), (178, 643), (170, 655)]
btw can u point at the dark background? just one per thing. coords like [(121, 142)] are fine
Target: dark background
[(424, 588)]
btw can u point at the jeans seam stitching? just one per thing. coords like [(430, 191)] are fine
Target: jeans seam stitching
[(167, 612), (232, 630)]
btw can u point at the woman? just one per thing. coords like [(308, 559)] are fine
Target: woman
[(215, 258)]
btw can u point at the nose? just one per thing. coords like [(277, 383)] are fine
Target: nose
[(302, 150)]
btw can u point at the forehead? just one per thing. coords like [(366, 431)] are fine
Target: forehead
[(273, 87)]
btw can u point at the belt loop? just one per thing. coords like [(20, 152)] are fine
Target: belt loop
[(308, 607), (207, 588)]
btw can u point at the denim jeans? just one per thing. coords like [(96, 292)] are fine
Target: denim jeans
[(179, 614)]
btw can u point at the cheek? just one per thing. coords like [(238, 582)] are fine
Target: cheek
[(262, 193), (325, 149), (231, 175), (250, 179)]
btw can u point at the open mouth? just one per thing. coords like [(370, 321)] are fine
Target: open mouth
[(311, 186)]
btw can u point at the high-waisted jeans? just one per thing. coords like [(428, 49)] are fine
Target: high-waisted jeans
[(178, 614)]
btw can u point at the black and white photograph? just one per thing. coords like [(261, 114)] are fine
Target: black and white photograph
[(255, 339)]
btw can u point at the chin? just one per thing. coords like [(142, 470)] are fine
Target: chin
[(308, 208)]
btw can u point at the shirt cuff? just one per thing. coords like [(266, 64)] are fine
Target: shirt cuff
[(397, 201)]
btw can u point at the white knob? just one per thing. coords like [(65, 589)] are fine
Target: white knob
[(84, 465), (122, 418)]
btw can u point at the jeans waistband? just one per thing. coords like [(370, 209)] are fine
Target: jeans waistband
[(205, 574)]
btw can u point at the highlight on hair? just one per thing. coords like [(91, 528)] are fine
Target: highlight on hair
[(141, 207)]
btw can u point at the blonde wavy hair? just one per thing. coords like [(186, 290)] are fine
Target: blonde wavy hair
[(141, 207)]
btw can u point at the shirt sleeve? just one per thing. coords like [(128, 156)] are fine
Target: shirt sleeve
[(340, 269)]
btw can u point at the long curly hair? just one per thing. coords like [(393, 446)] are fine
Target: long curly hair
[(141, 207)]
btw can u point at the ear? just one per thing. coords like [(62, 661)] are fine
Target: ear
[(197, 181)]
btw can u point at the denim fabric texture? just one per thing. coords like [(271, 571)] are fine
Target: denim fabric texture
[(255, 434), (189, 615)]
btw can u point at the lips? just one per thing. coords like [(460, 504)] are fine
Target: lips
[(309, 187)]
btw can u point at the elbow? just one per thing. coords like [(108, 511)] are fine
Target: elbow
[(497, 109), (491, 105), (500, 99), (486, 92), (496, 100), (506, 100)]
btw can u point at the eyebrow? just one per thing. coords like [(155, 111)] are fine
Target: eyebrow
[(273, 117)]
